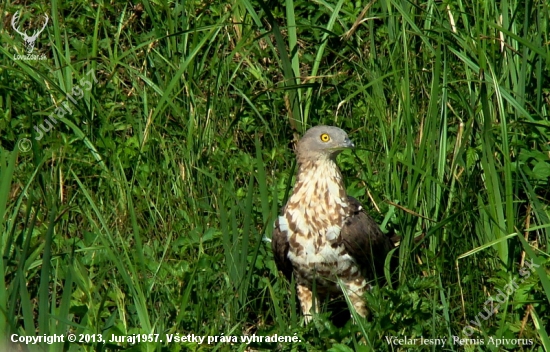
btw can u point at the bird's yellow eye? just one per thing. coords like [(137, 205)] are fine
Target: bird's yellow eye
[(325, 137)]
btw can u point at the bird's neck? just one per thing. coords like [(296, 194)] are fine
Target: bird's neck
[(325, 166), (320, 178)]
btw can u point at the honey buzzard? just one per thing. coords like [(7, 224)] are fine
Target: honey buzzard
[(323, 234)]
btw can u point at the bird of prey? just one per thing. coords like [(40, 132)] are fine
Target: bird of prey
[(323, 235)]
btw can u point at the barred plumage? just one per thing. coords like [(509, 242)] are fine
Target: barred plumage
[(323, 234)]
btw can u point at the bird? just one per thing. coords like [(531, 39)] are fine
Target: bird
[(324, 237)]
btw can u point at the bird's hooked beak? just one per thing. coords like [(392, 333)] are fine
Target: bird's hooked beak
[(348, 143), (338, 148)]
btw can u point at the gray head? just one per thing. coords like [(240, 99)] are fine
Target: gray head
[(322, 142)]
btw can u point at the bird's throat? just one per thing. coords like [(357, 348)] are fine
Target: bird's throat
[(319, 183)]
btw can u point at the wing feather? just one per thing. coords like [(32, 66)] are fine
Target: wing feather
[(280, 246), (364, 241)]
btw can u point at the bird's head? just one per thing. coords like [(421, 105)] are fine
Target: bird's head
[(322, 142)]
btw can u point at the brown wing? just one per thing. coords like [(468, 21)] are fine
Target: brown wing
[(279, 245), (364, 240)]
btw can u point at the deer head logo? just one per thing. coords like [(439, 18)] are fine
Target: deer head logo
[(29, 40)]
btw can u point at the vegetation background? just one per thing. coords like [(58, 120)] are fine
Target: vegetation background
[(144, 209)]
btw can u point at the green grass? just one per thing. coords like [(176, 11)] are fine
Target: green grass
[(143, 210)]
